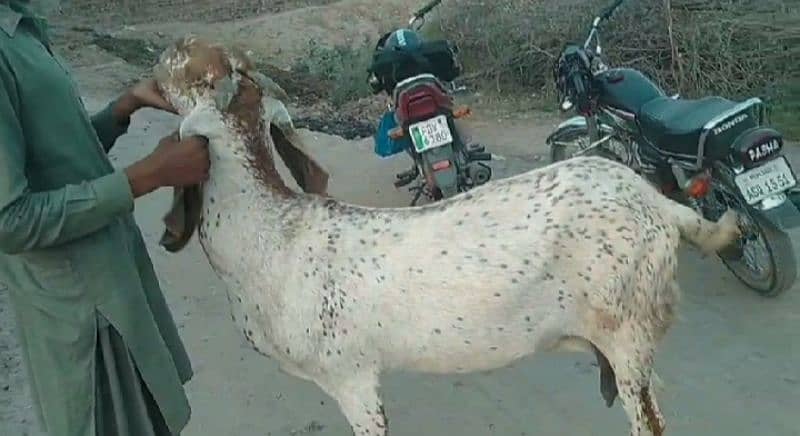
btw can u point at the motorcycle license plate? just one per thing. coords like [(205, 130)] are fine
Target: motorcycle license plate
[(431, 133), (766, 180)]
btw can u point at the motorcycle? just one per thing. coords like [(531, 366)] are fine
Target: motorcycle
[(422, 119), (710, 153)]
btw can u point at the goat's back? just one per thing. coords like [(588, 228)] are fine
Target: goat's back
[(509, 265)]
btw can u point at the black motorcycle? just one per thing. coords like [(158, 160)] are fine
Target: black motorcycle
[(710, 153), (422, 119)]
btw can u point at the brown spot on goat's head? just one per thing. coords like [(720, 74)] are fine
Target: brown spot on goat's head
[(188, 69), (194, 71)]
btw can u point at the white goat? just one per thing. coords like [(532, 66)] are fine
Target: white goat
[(580, 253)]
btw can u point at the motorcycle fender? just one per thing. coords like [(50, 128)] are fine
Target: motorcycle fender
[(570, 127), (445, 179), (785, 216)]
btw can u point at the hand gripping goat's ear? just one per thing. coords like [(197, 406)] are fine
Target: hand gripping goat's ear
[(183, 217)]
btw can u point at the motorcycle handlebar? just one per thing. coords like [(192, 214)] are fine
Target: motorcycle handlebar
[(427, 8), (610, 10)]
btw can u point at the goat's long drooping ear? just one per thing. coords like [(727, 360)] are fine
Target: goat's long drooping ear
[(276, 113), (268, 86), (183, 216), (224, 91), (182, 219), (306, 171)]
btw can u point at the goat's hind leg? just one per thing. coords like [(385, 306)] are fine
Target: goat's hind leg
[(632, 365), (358, 399)]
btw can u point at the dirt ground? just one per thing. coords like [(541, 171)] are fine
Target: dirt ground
[(729, 367)]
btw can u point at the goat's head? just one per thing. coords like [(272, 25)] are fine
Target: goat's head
[(189, 71), (218, 88), (194, 74)]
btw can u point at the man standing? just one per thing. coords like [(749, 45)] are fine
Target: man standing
[(101, 348)]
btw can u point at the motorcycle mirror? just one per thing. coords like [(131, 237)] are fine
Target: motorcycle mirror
[(374, 84), (427, 8)]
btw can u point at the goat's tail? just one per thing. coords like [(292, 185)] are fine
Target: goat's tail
[(708, 236)]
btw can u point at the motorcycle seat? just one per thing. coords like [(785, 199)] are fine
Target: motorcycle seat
[(675, 126)]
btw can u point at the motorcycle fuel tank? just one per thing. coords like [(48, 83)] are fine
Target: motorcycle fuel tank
[(626, 89)]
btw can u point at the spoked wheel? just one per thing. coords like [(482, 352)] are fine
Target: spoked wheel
[(763, 258)]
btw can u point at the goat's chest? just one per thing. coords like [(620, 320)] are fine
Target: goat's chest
[(226, 233), (233, 239), (250, 317)]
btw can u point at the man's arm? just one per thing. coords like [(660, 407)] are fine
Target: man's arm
[(32, 220), (110, 123), (113, 121)]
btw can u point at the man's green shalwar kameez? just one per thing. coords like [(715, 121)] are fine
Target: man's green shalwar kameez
[(102, 350)]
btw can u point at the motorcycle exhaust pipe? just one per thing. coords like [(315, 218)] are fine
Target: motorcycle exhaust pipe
[(479, 174)]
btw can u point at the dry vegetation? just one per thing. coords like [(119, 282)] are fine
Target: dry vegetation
[(735, 48), (115, 12), (346, 66)]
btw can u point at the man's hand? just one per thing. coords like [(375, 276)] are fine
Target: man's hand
[(143, 94), (173, 163)]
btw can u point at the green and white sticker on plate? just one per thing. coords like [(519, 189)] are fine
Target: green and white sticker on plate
[(431, 133)]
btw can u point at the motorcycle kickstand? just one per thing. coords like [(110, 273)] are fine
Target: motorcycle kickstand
[(416, 196)]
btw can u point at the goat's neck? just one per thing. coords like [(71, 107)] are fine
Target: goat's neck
[(244, 222), (244, 217), (243, 164)]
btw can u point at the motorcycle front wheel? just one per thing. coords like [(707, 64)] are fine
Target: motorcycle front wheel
[(764, 258)]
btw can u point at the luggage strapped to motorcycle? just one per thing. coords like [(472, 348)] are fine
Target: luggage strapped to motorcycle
[(433, 57)]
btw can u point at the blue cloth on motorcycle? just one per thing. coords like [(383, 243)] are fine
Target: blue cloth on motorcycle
[(385, 146)]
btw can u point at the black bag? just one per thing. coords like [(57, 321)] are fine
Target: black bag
[(432, 57)]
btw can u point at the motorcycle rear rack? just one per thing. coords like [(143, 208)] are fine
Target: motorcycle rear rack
[(403, 84)]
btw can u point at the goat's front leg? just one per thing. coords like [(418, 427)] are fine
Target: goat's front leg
[(357, 396)]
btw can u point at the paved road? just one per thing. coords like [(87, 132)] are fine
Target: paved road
[(731, 366)]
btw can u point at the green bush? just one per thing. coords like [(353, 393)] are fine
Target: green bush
[(345, 67)]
